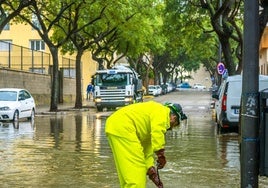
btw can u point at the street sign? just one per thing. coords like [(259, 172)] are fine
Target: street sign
[(225, 74), (221, 68)]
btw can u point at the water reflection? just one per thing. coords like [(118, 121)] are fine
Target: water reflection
[(193, 157), (75, 133), (72, 151), (228, 150), (17, 128)]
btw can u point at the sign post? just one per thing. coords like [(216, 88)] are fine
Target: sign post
[(250, 96)]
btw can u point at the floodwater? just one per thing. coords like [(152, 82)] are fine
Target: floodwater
[(71, 150)]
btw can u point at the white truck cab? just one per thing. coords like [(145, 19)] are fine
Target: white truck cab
[(116, 87)]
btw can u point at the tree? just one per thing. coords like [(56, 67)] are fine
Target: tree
[(135, 33), (11, 9), (103, 34), (226, 20), (263, 16), (76, 21), (45, 16), (182, 41)]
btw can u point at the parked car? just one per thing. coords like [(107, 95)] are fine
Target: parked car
[(173, 86), (184, 85), (164, 89), (16, 103), (227, 102), (199, 86), (169, 87), (214, 89), (154, 90)]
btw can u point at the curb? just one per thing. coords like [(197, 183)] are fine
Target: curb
[(64, 108)]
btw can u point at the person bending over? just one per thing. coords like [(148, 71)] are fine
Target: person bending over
[(136, 135)]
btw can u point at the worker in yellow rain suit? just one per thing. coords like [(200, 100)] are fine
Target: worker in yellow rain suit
[(137, 132)]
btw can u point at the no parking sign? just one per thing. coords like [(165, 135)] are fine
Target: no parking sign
[(221, 68)]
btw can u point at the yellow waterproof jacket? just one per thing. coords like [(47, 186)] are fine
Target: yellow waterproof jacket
[(147, 121)]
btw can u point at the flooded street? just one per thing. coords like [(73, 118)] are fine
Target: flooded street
[(71, 150)]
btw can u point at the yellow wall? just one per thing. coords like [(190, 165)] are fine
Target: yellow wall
[(264, 39), (263, 57), (88, 67), (21, 34)]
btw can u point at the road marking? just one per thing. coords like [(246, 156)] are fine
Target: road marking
[(195, 107)]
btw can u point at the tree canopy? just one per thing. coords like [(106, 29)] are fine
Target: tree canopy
[(159, 37)]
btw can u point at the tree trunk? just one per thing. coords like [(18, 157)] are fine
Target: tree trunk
[(227, 52), (147, 77), (78, 101), (55, 80)]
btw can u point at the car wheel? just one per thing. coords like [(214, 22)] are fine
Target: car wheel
[(16, 116), (32, 115), (220, 129), (16, 124), (216, 119)]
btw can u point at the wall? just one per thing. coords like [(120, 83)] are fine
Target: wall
[(39, 85), (200, 76)]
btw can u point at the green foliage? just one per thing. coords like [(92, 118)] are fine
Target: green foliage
[(174, 32)]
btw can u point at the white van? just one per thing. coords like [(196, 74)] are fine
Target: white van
[(227, 103)]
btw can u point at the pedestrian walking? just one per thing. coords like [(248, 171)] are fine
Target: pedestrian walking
[(136, 134), (90, 90)]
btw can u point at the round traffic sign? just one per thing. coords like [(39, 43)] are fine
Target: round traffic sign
[(220, 68)]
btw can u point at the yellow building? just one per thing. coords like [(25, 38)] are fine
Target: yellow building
[(24, 37), (263, 63), (28, 48)]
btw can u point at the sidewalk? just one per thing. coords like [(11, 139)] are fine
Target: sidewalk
[(62, 108), (44, 109)]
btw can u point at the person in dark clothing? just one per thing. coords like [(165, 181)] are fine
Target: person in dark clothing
[(90, 90)]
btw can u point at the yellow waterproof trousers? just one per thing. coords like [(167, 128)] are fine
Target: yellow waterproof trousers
[(130, 160)]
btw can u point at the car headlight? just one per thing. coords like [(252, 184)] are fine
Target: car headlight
[(97, 100), (128, 99), (4, 108)]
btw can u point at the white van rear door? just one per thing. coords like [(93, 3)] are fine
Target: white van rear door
[(233, 100)]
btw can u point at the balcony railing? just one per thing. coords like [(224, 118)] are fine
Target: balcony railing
[(20, 58)]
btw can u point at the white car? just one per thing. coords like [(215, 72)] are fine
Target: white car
[(199, 86), (15, 104), (154, 90)]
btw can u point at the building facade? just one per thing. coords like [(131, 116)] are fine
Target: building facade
[(22, 48), (263, 59), (34, 56)]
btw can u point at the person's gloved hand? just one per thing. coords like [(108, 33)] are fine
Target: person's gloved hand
[(154, 177), (161, 159)]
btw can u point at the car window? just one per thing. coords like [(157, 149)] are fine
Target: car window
[(27, 95), (222, 89), (219, 90), (235, 89), (21, 96), (8, 95)]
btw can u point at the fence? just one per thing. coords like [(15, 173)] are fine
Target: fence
[(20, 58)]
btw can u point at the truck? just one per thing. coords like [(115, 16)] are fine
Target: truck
[(116, 87)]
